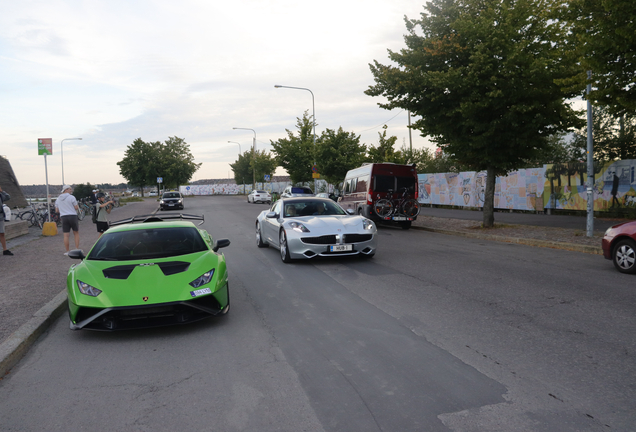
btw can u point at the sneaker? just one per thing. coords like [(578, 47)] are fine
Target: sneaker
[(66, 253), (7, 252)]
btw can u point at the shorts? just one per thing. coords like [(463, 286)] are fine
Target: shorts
[(102, 226), (2, 225), (70, 222)]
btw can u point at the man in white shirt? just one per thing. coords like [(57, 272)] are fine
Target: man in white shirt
[(66, 205)]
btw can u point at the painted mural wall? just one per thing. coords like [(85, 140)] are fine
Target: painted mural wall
[(535, 189)]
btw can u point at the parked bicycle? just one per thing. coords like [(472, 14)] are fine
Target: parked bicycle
[(30, 214), (43, 215), (393, 206)]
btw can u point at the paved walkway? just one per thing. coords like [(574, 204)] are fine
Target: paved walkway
[(544, 220)]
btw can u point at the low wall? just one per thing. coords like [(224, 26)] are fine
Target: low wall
[(15, 229)]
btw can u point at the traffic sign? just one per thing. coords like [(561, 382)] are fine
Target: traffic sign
[(45, 146), (159, 179), (266, 177)]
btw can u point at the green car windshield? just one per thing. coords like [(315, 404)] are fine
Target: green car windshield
[(147, 243)]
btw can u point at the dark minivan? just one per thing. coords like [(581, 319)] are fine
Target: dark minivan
[(371, 183)]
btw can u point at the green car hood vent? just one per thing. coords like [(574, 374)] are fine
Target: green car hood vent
[(168, 268)]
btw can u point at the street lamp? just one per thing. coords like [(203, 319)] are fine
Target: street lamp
[(313, 107), (62, 154), (239, 144), (253, 155)]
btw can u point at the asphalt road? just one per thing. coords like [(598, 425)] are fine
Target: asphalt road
[(436, 333)]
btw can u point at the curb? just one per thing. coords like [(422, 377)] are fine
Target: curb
[(595, 250), (17, 345)]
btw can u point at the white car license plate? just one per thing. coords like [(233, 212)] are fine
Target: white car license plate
[(399, 218), (341, 248)]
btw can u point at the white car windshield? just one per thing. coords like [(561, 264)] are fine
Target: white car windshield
[(312, 208)]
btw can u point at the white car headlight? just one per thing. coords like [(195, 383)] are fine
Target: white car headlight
[(87, 289), (367, 224), (297, 226), (161, 201), (205, 278)]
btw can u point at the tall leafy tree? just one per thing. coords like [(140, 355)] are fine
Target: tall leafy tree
[(384, 151), (243, 169), (481, 77), (337, 152), (263, 164), (296, 152), (176, 162), (604, 39), (135, 166), (614, 136), (143, 162)]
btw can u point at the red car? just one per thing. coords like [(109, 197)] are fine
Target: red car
[(619, 245)]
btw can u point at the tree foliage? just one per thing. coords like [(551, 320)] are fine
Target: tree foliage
[(480, 75), (83, 190), (614, 136), (264, 164), (143, 162), (337, 152), (384, 152), (296, 152), (604, 40), (242, 168)]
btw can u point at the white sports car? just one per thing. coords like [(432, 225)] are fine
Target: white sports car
[(307, 227)]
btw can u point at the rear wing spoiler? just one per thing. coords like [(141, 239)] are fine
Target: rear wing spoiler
[(162, 218)]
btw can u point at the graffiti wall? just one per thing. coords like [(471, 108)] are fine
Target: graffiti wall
[(561, 187), (614, 187), (518, 190)]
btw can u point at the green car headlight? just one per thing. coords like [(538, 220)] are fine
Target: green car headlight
[(203, 279), (87, 289)]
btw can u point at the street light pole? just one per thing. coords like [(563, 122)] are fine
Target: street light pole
[(313, 107), (253, 155), (239, 144), (62, 154)]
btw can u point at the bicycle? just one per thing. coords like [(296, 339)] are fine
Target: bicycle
[(31, 216), (44, 215), (392, 207), (84, 208)]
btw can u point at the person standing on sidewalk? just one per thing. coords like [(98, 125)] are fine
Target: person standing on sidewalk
[(102, 209), (66, 205), (3, 197)]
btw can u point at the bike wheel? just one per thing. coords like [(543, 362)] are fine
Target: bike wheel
[(411, 208), (383, 208)]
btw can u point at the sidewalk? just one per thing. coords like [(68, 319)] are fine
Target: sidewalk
[(33, 294), (32, 282), (553, 231)]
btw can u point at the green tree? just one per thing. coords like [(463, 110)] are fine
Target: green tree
[(296, 153), (175, 163), (337, 152), (143, 162), (604, 40), (135, 166), (384, 152), (614, 136), (243, 169), (83, 190), (481, 77), (264, 164)]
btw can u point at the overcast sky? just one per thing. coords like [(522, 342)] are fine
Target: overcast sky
[(113, 71)]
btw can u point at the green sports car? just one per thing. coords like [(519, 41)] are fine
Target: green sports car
[(148, 271)]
